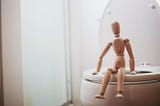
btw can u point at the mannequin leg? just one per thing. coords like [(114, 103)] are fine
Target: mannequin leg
[(120, 80), (104, 84)]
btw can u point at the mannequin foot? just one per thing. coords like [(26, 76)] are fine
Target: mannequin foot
[(99, 97), (119, 95), (133, 73)]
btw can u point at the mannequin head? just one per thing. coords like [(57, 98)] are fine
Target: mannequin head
[(116, 28)]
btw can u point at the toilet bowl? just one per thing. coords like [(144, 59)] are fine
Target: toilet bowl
[(142, 89)]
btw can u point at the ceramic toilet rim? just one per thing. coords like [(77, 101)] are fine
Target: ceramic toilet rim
[(126, 83), (152, 75), (149, 78)]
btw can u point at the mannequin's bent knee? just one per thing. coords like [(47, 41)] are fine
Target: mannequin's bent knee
[(113, 71)]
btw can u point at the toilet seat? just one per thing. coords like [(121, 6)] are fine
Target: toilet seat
[(143, 76)]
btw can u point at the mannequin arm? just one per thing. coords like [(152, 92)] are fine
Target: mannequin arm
[(101, 57), (130, 53)]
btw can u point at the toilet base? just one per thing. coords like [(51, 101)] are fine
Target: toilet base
[(134, 95)]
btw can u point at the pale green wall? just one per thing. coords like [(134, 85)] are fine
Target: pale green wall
[(43, 54)]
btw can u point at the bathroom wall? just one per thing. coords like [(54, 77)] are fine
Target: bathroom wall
[(33, 41), (43, 52), (84, 20), (158, 1), (11, 53), (90, 20), (75, 48), (83, 29)]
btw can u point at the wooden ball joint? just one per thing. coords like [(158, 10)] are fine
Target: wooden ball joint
[(118, 45)]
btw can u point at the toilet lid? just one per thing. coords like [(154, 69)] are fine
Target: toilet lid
[(143, 75), (139, 22)]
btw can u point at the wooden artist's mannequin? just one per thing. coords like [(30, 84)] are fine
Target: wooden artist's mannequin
[(118, 45)]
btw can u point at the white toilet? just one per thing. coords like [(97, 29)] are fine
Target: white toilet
[(140, 23), (142, 89)]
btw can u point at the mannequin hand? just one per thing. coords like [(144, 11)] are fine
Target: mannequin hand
[(95, 73), (133, 72)]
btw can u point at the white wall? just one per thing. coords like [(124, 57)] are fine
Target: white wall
[(75, 47), (158, 1), (91, 13), (11, 53), (43, 52), (83, 21)]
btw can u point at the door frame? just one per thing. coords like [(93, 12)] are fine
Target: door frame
[(1, 77)]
